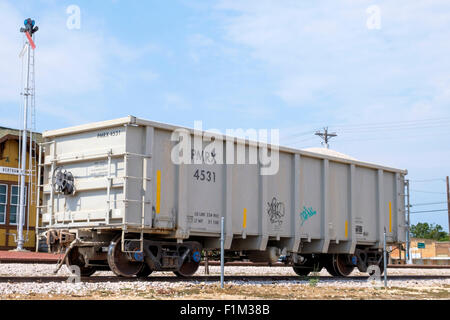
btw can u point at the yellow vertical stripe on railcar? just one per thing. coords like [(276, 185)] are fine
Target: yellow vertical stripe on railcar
[(244, 221), (158, 191), (390, 216), (346, 228)]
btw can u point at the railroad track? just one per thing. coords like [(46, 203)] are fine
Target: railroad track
[(4, 260), (268, 279)]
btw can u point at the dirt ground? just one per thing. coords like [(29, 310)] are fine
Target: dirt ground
[(252, 292)]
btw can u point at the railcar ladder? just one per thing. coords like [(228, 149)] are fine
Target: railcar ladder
[(32, 164), (140, 240), (147, 169)]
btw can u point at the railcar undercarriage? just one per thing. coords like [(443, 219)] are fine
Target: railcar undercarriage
[(341, 265), (135, 256)]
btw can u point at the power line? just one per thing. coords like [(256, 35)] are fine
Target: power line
[(378, 128), (370, 137), (394, 126), (428, 180), (427, 204), (371, 128), (398, 127), (428, 191), (299, 134), (297, 140), (427, 211), (392, 123)]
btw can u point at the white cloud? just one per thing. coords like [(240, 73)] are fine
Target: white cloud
[(128, 53), (304, 90), (176, 101), (328, 65), (201, 40), (10, 122), (67, 62), (203, 46), (70, 64), (324, 52), (10, 22)]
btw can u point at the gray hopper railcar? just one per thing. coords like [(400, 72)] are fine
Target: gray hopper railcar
[(115, 196)]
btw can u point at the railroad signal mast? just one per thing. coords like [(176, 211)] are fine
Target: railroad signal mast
[(326, 137), (28, 93)]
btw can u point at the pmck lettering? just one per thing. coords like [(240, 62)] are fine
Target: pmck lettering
[(105, 134)]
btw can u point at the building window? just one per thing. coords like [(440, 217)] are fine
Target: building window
[(15, 204), (3, 202)]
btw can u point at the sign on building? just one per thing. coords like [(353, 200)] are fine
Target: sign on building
[(9, 170), (421, 245)]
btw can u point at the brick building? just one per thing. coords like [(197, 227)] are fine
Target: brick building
[(424, 249)]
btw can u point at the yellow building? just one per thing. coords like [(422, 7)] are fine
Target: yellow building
[(9, 191)]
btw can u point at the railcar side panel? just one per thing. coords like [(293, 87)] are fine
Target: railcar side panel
[(125, 176)]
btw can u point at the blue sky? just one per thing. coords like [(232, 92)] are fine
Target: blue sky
[(292, 65)]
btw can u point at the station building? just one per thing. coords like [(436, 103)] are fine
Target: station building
[(9, 190), (424, 251)]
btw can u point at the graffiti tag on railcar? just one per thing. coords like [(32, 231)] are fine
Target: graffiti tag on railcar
[(276, 211), (306, 214)]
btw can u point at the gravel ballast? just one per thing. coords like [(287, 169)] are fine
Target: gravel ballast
[(185, 289)]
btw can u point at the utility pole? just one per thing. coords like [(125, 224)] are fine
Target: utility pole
[(408, 225), (326, 136), (29, 30), (448, 204), (222, 251)]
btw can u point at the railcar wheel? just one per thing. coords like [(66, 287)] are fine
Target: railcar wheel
[(188, 269), (330, 268), (190, 264), (310, 263), (380, 265), (145, 271), (339, 266), (74, 258), (119, 262), (302, 271)]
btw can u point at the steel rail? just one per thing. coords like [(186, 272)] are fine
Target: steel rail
[(268, 278), (227, 264)]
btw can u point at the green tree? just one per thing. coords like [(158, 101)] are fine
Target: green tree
[(429, 231)]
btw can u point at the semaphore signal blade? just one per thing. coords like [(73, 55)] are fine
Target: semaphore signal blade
[(30, 40)]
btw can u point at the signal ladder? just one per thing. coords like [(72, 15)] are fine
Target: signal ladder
[(32, 142)]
